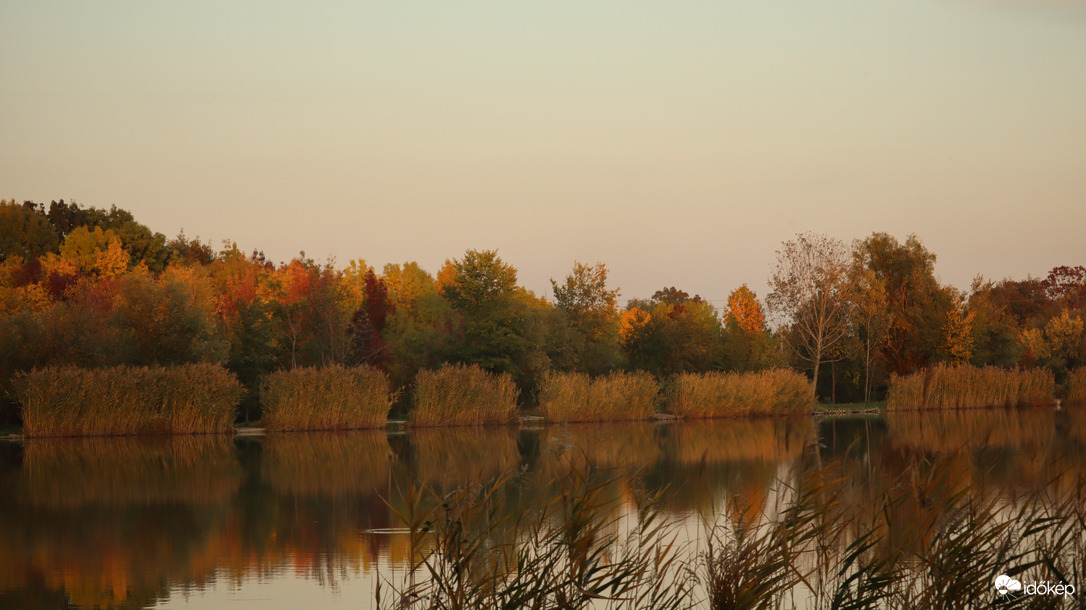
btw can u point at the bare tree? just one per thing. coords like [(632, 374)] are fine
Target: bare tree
[(811, 296)]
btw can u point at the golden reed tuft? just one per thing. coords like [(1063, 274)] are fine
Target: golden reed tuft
[(772, 392), (329, 398), (969, 387), (576, 397), (121, 400), (463, 395)]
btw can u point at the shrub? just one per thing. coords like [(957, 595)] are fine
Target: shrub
[(463, 395), (72, 401), (969, 387), (771, 392), (329, 398), (615, 397)]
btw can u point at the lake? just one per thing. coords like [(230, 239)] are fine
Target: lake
[(316, 520)]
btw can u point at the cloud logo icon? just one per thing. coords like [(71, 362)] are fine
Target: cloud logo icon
[(1005, 584)]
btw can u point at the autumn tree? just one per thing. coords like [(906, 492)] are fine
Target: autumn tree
[(420, 328), (811, 295), (677, 333), (870, 318), (590, 310), (917, 304), (747, 343)]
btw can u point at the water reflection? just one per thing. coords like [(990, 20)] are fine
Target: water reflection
[(125, 522)]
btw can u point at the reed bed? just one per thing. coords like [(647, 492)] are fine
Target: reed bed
[(122, 400), (576, 397), (463, 395), (69, 473), (970, 387), (1076, 386), (772, 392), (329, 398)]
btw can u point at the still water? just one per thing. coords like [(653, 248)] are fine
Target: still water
[(311, 520)]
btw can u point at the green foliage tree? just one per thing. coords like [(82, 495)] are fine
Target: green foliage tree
[(589, 319), (24, 232), (499, 325)]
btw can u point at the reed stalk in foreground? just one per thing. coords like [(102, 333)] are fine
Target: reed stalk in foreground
[(463, 395), (72, 401), (773, 392), (479, 548), (1076, 386), (969, 387), (577, 397), (329, 398), (919, 545)]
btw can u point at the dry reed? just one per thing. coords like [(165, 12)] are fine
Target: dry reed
[(969, 387), (72, 401), (615, 397), (329, 398), (1076, 386), (772, 392), (463, 395)]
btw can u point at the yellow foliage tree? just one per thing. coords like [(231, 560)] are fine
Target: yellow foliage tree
[(745, 310)]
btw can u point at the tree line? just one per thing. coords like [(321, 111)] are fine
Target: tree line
[(91, 287)]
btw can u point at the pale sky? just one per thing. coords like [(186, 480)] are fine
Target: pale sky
[(677, 142)]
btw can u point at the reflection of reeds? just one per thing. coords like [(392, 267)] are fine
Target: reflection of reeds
[(718, 442), (969, 387), (463, 395), (950, 431), (614, 445), (329, 398), (326, 463), (1076, 386), (615, 397), (736, 394), (77, 472), (463, 455), (70, 401)]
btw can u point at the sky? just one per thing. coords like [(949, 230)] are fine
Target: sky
[(678, 142)]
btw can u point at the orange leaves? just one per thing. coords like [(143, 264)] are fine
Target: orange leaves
[(745, 310), (632, 322)]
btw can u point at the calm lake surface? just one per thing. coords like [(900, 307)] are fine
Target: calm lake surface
[(310, 520)]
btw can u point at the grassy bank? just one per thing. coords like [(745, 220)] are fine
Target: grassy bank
[(71, 401), (329, 398), (968, 387), (576, 397), (463, 395), (773, 392), (1076, 386)]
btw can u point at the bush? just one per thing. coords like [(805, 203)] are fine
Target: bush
[(329, 398), (772, 392), (72, 401), (969, 387), (463, 395), (615, 397)]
